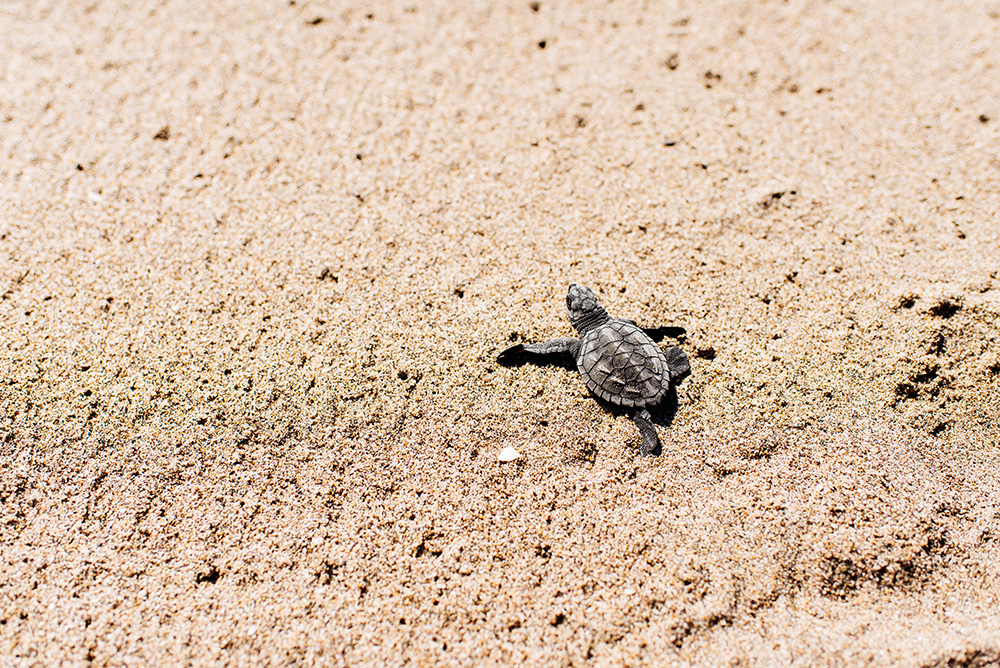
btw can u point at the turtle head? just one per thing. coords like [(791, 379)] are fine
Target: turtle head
[(585, 312)]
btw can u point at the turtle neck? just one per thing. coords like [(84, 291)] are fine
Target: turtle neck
[(595, 318)]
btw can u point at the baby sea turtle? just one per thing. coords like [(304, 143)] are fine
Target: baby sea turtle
[(617, 360)]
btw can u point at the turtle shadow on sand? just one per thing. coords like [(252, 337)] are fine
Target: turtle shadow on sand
[(623, 367)]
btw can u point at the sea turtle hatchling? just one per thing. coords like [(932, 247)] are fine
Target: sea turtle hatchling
[(617, 360)]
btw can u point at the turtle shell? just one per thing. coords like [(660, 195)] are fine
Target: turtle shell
[(622, 365)]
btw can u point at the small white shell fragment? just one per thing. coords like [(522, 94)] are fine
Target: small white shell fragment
[(509, 454), (94, 197)]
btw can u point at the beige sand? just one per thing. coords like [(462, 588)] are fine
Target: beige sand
[(256, 263)]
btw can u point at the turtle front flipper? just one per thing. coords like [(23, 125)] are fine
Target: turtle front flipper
[(650, 440), (561, 351), (567, 345)]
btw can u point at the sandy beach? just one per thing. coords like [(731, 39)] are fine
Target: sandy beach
[(258, 259)]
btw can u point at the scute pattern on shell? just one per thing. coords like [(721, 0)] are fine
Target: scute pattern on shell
[(622, 365)]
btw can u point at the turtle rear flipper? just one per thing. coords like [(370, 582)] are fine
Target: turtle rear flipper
[(650, 439), (677, 360)]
